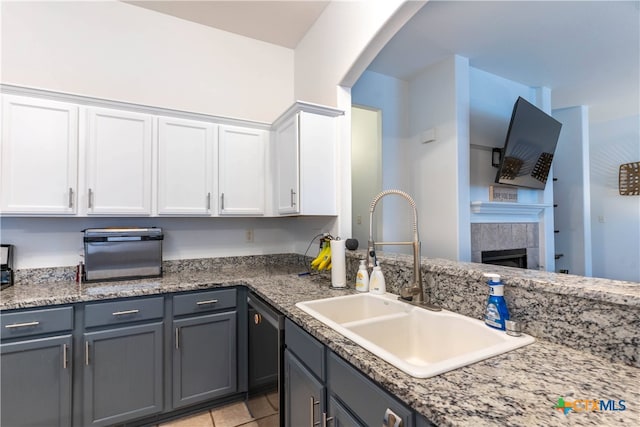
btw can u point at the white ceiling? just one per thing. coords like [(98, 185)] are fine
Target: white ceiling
[(283, 23), (587, 52)]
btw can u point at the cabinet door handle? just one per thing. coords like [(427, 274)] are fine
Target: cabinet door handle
[(64, 356), (208, 201), (122, 313), (222, 201), (210, 301), (293, 196), (70, 197), (177, 338), (86, 353), (90, 199), (22, 325), (312, 411), (391, 419), (325, 419)]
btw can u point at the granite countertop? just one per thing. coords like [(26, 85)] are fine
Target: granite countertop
[(520, 388)]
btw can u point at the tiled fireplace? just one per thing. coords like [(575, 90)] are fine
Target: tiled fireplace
[(506, 236)]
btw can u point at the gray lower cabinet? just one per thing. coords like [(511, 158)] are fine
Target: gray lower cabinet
[(36, 382), (304, 394), (123, 360), (363, 399), (204, 361), (341, 416), (36, 367), (342, 395)]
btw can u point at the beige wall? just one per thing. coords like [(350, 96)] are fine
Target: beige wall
[(126, 53), (343, 42)]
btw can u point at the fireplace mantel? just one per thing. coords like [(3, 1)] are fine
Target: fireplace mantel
[(499, 212)]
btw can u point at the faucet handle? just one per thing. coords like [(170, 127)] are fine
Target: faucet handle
[(407, 293)]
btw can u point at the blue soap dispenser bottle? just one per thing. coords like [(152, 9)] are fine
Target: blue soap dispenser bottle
[(496, 313)]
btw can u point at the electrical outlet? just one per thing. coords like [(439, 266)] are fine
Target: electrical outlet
[(249, 235)]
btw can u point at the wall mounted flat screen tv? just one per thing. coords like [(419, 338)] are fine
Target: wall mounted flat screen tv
[(529, 147)]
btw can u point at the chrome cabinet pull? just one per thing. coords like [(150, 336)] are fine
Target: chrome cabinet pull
[(22, 325), (177, 338), (222, 201), (64, 356), (325, 419), (70, 197), (312, 411), (210, 301), (208, 201), (122, 313), (293, 197), (90, 199), (86, 353), (391, 419)]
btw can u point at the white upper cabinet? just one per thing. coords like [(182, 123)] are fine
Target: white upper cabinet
[(305, 146), (118, 162), (186, 150), (242, 159), (287, 167), (39, 156)]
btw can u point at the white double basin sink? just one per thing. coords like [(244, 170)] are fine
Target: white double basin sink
[(420, 342)]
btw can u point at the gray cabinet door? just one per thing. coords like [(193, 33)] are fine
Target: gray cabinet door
[(204, 358), (304, 394), (122, 374), (341, 416), (36, 382)]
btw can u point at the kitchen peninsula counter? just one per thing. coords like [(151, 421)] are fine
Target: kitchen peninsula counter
[(520, 388)]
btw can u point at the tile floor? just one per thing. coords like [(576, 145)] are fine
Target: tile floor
[(259, 411)]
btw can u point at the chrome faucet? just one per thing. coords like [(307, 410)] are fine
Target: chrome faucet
[(415, 293)]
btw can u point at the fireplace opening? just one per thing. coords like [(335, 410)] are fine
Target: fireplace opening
[(508, 258)]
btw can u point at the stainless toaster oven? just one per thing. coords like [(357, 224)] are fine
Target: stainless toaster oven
[(122, 253)]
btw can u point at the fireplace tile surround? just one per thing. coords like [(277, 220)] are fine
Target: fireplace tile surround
[(493, 237)]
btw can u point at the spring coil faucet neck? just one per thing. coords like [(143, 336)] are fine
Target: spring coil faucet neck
[(415, 292)]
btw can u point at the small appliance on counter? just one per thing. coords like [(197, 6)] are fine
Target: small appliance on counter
[(122, 253), (7, 266)]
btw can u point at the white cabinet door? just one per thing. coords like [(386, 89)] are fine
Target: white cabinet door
[(241, 167), (118, 167), (185, 167), (39, 156), (306, 165), (287, 169), (318, 140)]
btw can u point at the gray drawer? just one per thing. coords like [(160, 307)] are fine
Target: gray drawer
[(365, 398), (308, 349), (123, 311), (36, 322), (201, 302)]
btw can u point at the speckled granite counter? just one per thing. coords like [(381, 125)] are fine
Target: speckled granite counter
[(520, 388)]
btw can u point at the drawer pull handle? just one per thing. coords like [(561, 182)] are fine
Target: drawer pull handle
[(210, 301), (122, 313), (22, 325), (391, 419)]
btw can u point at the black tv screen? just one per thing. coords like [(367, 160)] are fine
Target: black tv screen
[(529, 147)]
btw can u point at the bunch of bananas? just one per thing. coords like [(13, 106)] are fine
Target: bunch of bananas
[(323, 260)]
